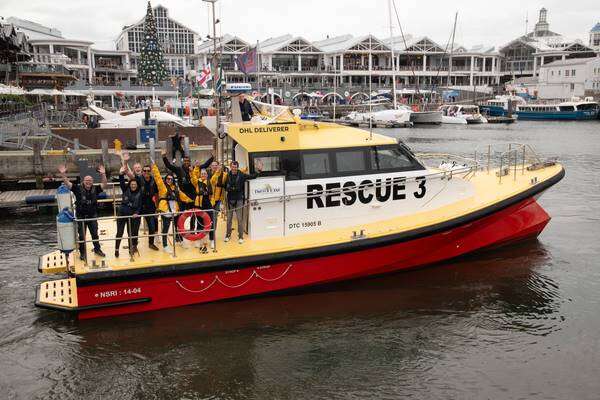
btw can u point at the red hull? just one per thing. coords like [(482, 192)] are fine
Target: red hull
[(517, 222)]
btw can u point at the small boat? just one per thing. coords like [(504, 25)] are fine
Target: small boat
[(134, 119), (332, 203), (426, 117), (447, 118), (574, 110), (381, 116), (499, 106)]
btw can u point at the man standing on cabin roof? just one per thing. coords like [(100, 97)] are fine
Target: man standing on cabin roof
[(177, 147), (234, 186), (86, 206), (245, 108)]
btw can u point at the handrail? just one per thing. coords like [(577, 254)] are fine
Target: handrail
[(172, 234)]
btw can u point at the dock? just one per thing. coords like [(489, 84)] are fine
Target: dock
[(35, 198), (367, 125)]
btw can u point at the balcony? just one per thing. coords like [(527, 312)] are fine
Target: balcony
[(42, 69)]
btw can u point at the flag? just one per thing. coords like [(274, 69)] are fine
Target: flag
[(205, 76), (247, 61), (220, 79)]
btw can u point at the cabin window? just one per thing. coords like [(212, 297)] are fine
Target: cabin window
[(315, 164), (269, 163), (350, 161), (567, 108), (392, 158), (277, 163)]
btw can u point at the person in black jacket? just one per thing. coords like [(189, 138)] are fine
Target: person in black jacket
[(177, 147), (245, 108), (131, 206), (184, 181), (149, 194), (86, 206), (234, 187)]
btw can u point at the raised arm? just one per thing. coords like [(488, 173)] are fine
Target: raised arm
[(122, 179), (158, 179), (103, 180), (167, 163), (207, 163), (62, 170), (124, 162)]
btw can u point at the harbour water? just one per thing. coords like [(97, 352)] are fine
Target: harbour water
[(515, 322)]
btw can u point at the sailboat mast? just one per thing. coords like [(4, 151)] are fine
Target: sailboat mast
[(452, 48), (392, 49)]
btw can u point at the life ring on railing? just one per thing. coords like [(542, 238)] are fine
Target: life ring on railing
[(199, 214)]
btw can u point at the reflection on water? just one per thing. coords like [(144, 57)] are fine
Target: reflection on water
[(514, 322)]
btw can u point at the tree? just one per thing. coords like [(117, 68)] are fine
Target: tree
[(151, 67)]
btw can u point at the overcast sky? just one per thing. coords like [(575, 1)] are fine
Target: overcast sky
[(479, 22)]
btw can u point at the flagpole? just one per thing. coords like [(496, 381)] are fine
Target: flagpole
[(257, 68), (215, 66)]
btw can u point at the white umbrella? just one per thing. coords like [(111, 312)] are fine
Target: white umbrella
[(73, 93), (12, 90), (40, 92)]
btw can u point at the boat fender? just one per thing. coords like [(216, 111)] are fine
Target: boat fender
[(66, 230), (199, 214), (63, 197)]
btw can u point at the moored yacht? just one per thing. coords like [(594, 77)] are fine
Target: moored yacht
[(332, 203), (574, 110)]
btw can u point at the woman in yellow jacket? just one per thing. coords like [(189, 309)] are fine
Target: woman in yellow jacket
[(168, 201), (202, 186)]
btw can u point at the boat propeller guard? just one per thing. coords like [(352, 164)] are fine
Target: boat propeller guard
[(190, 235)]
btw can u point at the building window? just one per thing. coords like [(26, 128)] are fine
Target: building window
[(572, 72), (566, 72), (572, 87)]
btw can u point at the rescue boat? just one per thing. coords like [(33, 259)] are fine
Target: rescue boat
[(332, 203)]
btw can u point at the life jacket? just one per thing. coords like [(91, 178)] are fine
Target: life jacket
[(131, 201), (171, 195), (203, 193), (186, 184), (87, 204), (217, 183)]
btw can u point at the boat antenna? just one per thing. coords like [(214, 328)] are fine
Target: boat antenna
[(392, 50), (370, 90), (526, 22)]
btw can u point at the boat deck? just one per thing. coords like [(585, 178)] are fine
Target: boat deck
[(488, 191)]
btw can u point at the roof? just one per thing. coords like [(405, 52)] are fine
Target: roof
[(141, 21), (571, 61), (276, 44), (33, 30), (302, 135), (596, 28)]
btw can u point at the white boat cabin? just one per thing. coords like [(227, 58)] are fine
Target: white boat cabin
[(321, 176)]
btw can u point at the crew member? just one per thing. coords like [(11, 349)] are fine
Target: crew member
[(245, 108), (217, 178), (131, 206), (203, 202), (169, 197), (184, 179), (86, 206), (234, 186), (176, 146)]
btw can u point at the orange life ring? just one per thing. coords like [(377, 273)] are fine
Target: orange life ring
[(199, 214)]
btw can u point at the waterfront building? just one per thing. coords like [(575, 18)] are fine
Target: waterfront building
[(293, 64), (595, 37), (525, 55), (564, 79), (179, 43), (55, 60)]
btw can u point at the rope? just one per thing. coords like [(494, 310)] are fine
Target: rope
[(217, 279)]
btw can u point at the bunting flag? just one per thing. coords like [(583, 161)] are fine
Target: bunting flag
[(205, 76), (247, 61)]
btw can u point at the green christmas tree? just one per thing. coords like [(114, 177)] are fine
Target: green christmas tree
[(151, 67)]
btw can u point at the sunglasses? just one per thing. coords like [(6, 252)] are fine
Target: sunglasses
[(145, 170)]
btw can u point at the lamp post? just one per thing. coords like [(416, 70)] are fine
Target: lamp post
[(214, 68)]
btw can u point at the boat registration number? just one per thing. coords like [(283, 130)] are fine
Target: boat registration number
[(115, 293), (305, 224)]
